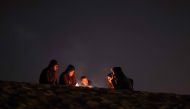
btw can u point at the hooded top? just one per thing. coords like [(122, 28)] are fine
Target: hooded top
[(121, 81)]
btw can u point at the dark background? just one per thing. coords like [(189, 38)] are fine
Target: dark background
[(149, 39)]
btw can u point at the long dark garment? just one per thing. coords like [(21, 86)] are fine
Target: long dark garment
[(125, 83), (120, 81)]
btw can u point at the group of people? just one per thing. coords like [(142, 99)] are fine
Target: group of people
[(115, 80)]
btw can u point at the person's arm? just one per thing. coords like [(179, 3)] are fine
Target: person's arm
[(109, 82), (66, 80), (49, 81), (74, 81), (56, 79), (52, 77)]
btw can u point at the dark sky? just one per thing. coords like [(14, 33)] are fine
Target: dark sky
[(149, 39)]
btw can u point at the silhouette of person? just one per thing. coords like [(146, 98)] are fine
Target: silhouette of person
[(68, 77), (118, 80), (49, 74)]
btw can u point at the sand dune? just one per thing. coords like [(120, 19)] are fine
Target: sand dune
[(18, 95)]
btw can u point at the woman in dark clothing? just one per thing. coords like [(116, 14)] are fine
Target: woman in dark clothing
[(118, 80), (49, 74), (68, 77)]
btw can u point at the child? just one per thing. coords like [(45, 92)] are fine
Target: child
[(84, 82)]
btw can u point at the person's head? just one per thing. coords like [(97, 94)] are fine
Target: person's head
[(53, 65), (70, 71), (117, 71), (84, 80), (110, 75)]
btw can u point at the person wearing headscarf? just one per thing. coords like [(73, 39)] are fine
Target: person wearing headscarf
[(49, 74), (118, 80), (68, 76)]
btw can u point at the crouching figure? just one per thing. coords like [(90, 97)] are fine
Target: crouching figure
[(117, 79)]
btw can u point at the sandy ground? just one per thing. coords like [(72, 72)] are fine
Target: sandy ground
[(17, 95)]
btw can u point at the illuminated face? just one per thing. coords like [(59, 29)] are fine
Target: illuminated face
[(109, 79), (55, 68), (84, 81), (71, 73)]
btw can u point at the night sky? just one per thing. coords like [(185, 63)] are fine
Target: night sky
[(149, 39)]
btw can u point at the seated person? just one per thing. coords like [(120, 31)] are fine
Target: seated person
[(49, 74), (84, 82), (68, 77), (118, 80)]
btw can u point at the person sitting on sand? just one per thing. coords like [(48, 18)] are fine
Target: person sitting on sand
[(118, 80), (85, 82), (49, 74), (68, 77)]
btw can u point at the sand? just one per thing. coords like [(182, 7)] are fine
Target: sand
[(20, 95)]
